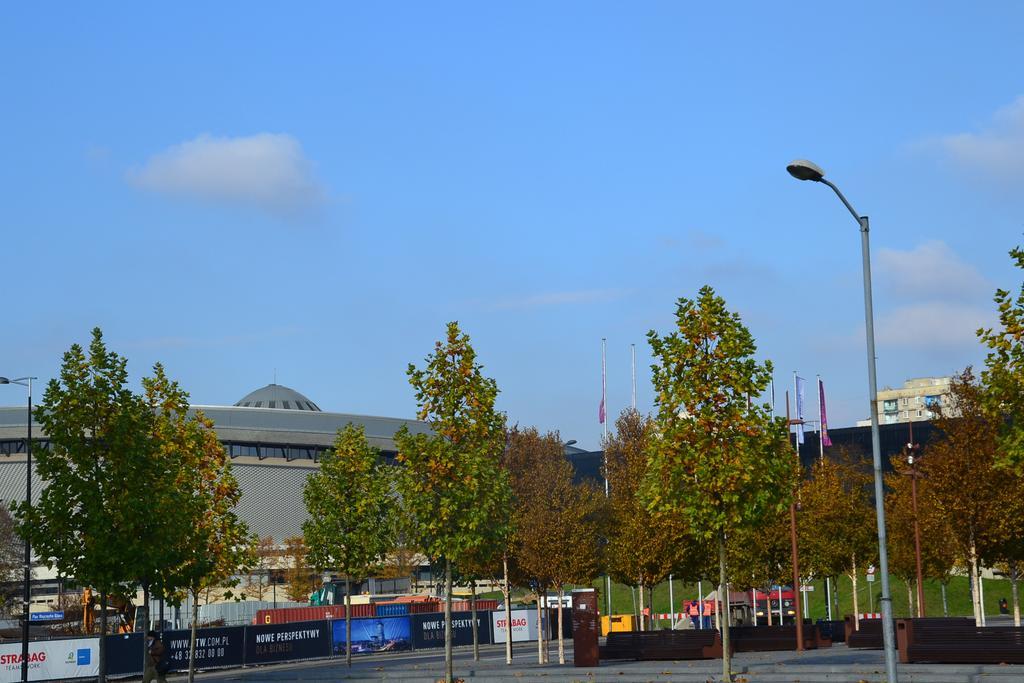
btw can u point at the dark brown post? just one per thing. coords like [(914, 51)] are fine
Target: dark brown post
[(910, 453), (585, 651)]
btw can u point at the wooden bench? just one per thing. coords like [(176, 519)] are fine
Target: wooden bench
[(870, 636), (662, 645), (834, 630), (773, 638), (958, 641)]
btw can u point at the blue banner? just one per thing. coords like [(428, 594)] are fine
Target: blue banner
[(374, 634)]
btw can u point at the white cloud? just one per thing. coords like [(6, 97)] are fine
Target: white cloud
[(930, 271), (933, 325), (267, 171), (582, 296), (996, 151)]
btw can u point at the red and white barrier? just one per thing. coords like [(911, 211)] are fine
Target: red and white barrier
[(871, 615)]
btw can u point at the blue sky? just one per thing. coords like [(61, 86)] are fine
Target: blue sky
[(234, 189)]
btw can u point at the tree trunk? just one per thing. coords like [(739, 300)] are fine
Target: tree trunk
[(835, 598), (192, 638), (981, 597), (726, 608), (145, 626), (722, 582), (1014, 578), (508, 611), (540, 630), (768, 605), (910, 598), (102, 678), (472, 609), (973, 565), (853, 592), (642, 616), (561, 638), (348, 621), (945, 605), (448, 677)]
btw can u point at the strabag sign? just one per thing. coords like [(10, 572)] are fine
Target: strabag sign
[(524, 625), (49, 659)]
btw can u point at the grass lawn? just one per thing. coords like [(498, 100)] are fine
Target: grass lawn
[(958, 597)]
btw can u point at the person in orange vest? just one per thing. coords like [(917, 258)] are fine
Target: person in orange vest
[(694, 613)]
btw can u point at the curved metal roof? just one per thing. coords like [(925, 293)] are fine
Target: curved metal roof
[(277, 396)]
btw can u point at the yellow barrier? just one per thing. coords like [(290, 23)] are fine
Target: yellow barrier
[(619, 622)]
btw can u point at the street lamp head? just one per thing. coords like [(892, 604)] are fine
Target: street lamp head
[(802, 169), (570, 442), (4, 380)]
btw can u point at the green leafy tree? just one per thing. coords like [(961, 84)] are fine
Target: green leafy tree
[(760, 557), (962, 466), (557, 525), (451, 480), (837, 521), (349, 527), (302, 579), (218, 545), (643, 547), (1007, 549), (723, 462), (937, 536), (91, 521), (12, 555), (525, 455), (1003, 376)]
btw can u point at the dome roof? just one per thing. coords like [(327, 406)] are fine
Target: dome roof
[(277, 396)]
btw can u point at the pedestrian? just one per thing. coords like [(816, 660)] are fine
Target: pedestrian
[(1004, 607), (157, 662), (694, 614)]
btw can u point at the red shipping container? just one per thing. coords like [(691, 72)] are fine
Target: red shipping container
[(287, 615), (425, 607), (467, 606)]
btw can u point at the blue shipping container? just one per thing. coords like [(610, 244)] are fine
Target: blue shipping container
[(392, 609)]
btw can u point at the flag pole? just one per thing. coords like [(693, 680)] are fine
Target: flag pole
[(604, 398), (632, 348), (604, 439), (821, 459), (821, 439)]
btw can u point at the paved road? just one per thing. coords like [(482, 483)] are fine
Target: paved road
[(837, 664)]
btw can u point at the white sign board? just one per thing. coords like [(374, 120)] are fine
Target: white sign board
[(871, 578), (807, 588), (49, 659), (524, 625)]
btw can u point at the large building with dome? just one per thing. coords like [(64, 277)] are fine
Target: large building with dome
[(274, 435)]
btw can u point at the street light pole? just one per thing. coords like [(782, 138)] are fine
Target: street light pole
[(806, 170), (27, 597)]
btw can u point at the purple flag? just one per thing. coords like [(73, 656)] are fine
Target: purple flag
[(825, 441)]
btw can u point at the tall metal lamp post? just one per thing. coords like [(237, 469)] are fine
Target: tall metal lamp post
[(801, 169), (26, 382)]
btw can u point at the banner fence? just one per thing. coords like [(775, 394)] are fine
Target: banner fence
[(235, 646)]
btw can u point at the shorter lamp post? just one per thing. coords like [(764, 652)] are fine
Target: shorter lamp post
[(26, 382), (910, 453)]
